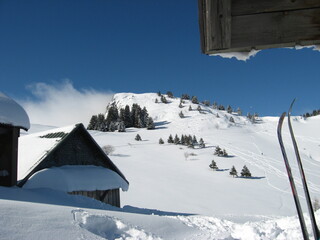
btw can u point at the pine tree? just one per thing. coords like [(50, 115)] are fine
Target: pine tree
[(221, 107), (163, 99), (218, 151), (190, 108), (156, 101), (127, 117), (121, 127), (239, 111), (214, 105), (170, 94), (213, 165), (181, 115), (233, 172), (206, 103), (201, 143), (93, 122), (194, 140), (229, 109), (170, 139), (176, 140), (231, 119), (161, 141), (137, 138), (112, 115), (245, 172), (199, 108), (180, 105), (185, 96), (224, 153), (194, 100), (218, 115), (112, 126), (150, 124), (182, 140)]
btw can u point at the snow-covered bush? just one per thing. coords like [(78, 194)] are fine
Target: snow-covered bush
[(108, 149)]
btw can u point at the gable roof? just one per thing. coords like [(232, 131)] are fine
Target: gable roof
[(35, 149)]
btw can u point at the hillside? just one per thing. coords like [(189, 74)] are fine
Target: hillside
[(173, 194), (162, 178)]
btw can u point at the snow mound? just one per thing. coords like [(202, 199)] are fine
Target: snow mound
[(11, 113), (77, 178), (109, 227), (166, 113)]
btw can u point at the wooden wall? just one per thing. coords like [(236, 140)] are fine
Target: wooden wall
[(242, 25), (111, 197)]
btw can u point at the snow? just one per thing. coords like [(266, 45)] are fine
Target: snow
[(11, 113), (77, 178), (244, 56), (33, 147), (173, 197)]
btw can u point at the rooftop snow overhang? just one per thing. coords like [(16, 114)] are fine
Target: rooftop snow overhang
[(12, 114)]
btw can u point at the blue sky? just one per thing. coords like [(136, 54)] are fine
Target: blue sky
[(143, 46)]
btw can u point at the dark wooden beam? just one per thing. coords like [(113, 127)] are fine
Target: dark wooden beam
[(242, 25)]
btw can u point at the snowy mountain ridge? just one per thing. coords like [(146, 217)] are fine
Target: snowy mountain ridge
[(173, 192)]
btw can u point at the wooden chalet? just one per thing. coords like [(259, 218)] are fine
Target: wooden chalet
[(12, 118), (63, 149)]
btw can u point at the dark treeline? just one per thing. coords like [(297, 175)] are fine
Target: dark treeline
[(121, 119), (314, 113)]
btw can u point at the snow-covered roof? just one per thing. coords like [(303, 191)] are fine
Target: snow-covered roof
[(11, 113), (72, 178), (34, 147)]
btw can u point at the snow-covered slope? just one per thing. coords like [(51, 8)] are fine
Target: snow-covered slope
[(169, 183), (162, 178)]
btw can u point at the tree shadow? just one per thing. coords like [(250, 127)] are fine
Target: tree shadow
[(223, 170), (251, 177), (120, 155), (146, 211)]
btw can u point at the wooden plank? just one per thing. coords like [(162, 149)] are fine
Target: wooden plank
[(245, 7), (201, 13), (276, 28), (218, 24)]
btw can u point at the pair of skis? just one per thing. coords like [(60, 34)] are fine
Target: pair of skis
[(303, 179)]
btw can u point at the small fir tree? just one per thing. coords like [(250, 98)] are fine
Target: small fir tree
[(245, 172), (213, 165), (199, 108), (217, 151), (194, 140), (170, 139), (229, 109), (161, 141), (150, 124), (224, 153), (121, 127), (231, 119), (233, 172), (156, 101), (180, 105), (190, 108), (181, 115), (163, 99), (194, 100), (176, 140), (201, 143), (137, 138), (170, 94)]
